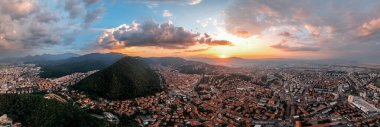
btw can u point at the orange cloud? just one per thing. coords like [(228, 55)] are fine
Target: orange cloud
[(370, 27)]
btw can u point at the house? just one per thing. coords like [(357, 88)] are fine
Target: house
[(5, 121)]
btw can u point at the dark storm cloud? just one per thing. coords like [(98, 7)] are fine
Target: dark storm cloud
[(149, 33)]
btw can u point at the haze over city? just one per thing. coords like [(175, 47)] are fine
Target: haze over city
[(184, 63)]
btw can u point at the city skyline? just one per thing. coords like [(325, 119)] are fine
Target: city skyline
[(193, 28)]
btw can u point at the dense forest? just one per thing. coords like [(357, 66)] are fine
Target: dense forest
[(35, 111)]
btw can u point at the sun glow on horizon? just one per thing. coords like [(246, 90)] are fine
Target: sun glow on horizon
[(222, 56)]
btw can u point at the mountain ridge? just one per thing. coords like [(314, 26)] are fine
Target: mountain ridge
[(36, 59), (84, 63)]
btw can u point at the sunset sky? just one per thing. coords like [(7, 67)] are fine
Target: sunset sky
[(304, 29)]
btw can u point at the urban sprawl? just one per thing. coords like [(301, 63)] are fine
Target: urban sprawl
[(258, 96)]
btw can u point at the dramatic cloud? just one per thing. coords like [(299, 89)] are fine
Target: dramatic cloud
[(247, 18), (23, 26), (17, 9), (334, 25), (26, 25), (149, 33)]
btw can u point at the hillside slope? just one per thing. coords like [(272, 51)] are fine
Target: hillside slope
[(128, 78)]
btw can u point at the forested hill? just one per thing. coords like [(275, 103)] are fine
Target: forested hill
[(128, 78)]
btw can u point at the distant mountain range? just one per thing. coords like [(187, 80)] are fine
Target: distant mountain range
[(54, 66), (38, 58), (85, 63), (128, 78)]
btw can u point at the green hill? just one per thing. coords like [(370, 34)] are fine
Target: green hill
[(129, 77), (35, 111)]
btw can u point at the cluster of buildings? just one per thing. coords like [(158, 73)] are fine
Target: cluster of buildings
[(290, 96), (362, 104), (280, 97), (19, 79), (24, 79)]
